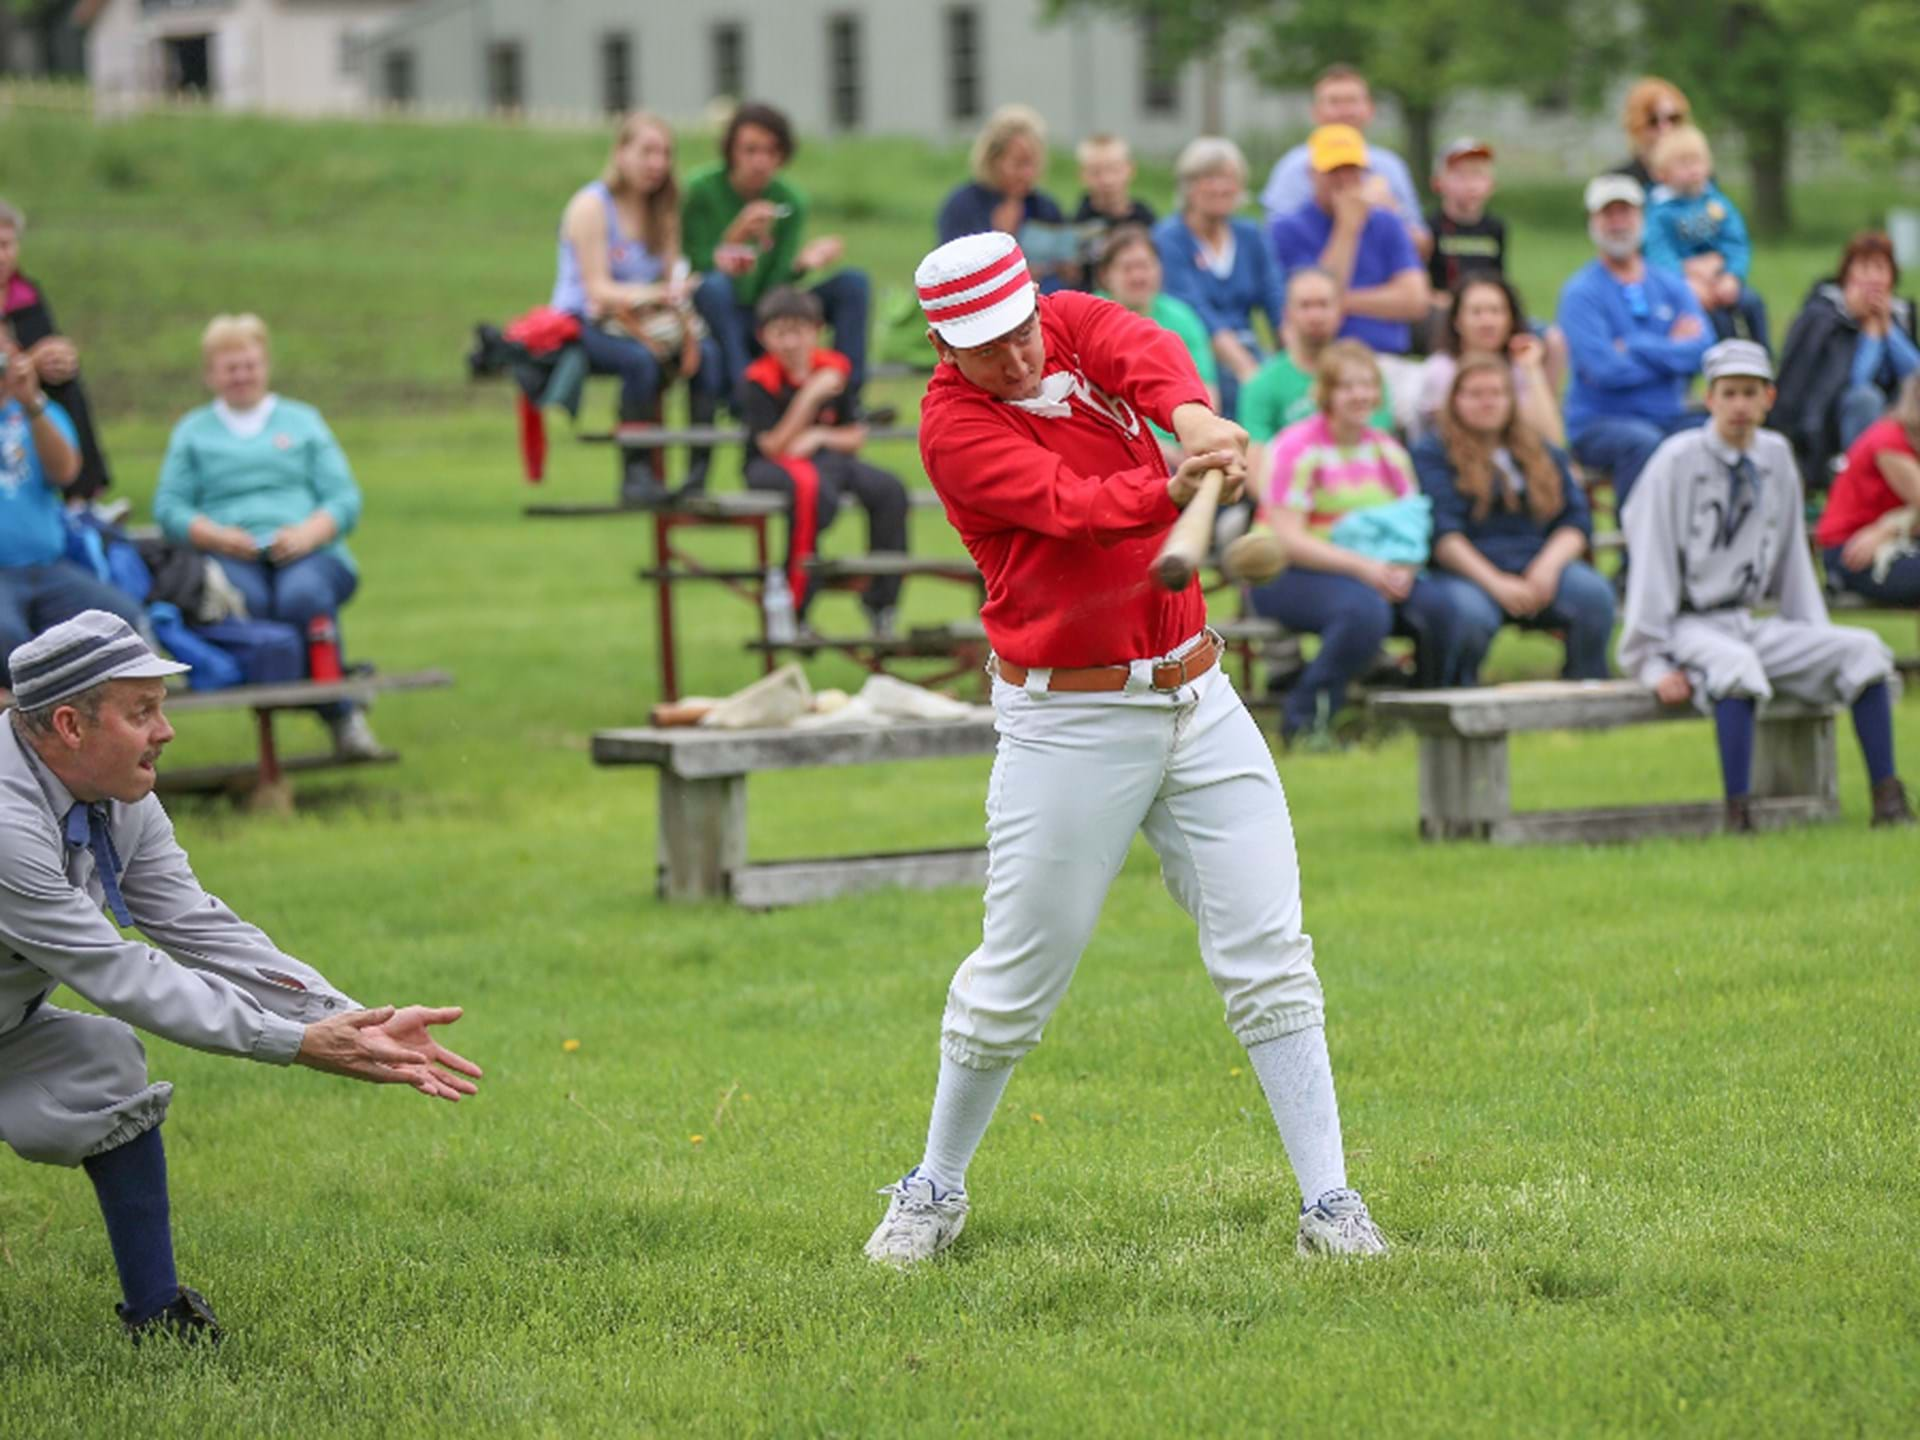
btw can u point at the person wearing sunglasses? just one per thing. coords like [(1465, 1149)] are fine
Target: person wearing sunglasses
[(1653, 107)]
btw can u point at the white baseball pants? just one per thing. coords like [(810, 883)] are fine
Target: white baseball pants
[(1075, 777), (1733, 653)]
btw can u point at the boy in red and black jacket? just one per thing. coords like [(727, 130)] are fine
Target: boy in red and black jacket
[(803, 442)]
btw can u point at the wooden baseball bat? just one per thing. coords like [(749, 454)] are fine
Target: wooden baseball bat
[(1192, 536)]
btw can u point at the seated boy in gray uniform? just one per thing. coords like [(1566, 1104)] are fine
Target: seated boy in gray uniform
[(1717, 527), (81, 829)]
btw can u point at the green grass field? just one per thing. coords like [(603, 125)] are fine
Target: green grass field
[(1640, 1120)]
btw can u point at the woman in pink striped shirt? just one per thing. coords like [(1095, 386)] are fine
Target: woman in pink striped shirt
[(1350, 590)]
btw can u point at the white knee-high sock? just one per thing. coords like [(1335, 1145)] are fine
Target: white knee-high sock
[(962, 1105), (1298, 1080)]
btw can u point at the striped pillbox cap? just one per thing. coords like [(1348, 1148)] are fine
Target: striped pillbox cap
[(975, 289), (78, 654)]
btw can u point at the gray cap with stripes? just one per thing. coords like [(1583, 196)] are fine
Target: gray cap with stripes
[(79, 653)]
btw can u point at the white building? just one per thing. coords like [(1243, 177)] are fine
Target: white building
[(923, 68), (293, 56)]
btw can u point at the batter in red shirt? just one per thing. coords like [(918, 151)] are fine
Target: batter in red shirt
[(1115, 718)]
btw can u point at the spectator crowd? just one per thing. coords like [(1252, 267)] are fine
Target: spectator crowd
[(1424, 444)]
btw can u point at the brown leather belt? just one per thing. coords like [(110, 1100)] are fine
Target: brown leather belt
[(1167, 676)]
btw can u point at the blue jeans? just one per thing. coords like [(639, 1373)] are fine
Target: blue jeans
[(1582, 606), (1622, 445), (641, 374), (1745, 319), (1352, 618), (1860, 406), (35, 598), (845, 299), (1901, 588), (314, 585)]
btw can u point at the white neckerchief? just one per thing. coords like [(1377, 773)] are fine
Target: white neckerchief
[(249, 422), (1052, 399), (1055, 397)]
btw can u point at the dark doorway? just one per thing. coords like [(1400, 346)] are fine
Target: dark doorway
[(190, 64)]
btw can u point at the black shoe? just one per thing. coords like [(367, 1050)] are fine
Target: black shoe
[(189, 1319), (643, 492), (880, 416), (1890, 805), (1739, 815)]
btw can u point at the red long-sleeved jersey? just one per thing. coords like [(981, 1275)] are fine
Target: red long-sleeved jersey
[(1064, 506)]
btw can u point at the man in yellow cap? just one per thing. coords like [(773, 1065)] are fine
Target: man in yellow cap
[(1365, 249)]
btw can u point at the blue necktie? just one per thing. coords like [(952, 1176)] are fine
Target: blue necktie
[(1743, 483), (87, 825)]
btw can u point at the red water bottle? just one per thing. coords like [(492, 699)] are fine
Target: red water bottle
[(323, 649)]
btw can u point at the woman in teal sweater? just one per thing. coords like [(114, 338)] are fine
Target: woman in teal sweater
[(259, 483)]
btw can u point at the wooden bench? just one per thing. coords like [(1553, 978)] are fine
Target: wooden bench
[(263, 783), (1463, 762), (703, 806), (660, 437)]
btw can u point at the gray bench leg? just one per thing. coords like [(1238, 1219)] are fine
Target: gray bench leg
[(1463, 786), (1796, 758), (703, 835)]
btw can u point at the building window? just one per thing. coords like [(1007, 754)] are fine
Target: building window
[(963, 62), (1159, 74), (504, 90), (729, 60), (396, 77), (616, 74), (843, 71)]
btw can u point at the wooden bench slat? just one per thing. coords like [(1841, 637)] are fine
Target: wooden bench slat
[(834, 567), (696, 753), (1618, 824), (798, 882), (1545, 705), (661, 438), (204, 779), (303, 694)]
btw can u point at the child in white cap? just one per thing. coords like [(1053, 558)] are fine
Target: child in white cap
[(1717, 528)]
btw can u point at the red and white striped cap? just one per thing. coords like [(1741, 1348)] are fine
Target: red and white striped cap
[(975, 289)]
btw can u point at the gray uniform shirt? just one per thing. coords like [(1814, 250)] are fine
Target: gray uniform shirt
[(1698, 550), (217, 983)]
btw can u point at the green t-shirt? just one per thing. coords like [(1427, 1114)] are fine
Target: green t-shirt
[(709, 207), (1281, 393)]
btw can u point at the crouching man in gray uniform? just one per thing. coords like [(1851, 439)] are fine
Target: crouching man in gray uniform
[(81, 829), (1717, 527)]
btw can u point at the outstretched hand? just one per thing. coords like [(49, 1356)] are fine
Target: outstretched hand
[(388, 1046), (445, 1073)]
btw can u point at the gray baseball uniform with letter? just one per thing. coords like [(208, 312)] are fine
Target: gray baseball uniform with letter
[(1711, 541), (74, 1084)]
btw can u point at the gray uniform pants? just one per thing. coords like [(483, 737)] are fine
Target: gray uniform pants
[(1730, 653), (74, 1085)]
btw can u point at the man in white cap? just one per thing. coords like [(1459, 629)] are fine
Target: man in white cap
[(1115, 716), (80, 829), (1717, 527), (1635, 336)]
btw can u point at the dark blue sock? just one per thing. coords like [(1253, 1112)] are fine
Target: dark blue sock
[(1873, 723), (131, 1182), (1733, 726)]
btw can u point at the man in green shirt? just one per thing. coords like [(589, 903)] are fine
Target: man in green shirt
[(1281, 391), (742, 225)]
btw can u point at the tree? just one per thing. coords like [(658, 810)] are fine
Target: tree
[(1416, 52), (1768, 66)]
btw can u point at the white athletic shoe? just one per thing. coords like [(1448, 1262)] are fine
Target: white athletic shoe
[(1338, 1224), (353, 737), (919, 1223)]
